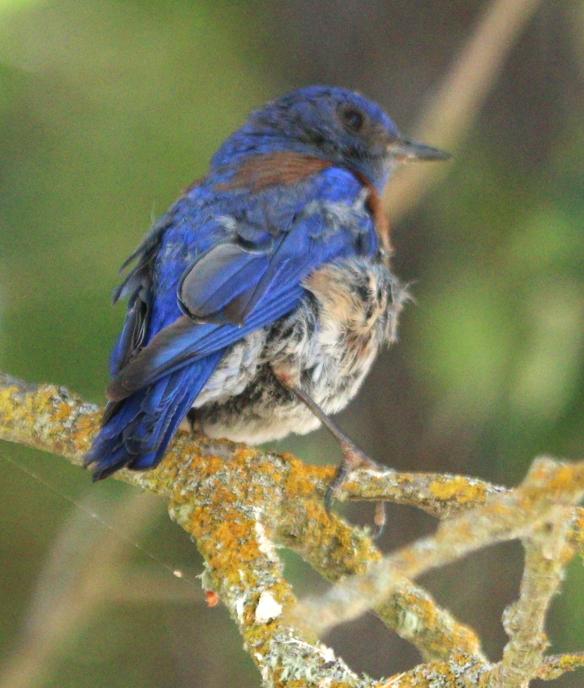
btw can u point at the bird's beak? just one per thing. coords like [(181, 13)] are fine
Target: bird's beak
[(409, 151)]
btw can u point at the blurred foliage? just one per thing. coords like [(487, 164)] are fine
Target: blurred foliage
[(108, 110), (503, 336)]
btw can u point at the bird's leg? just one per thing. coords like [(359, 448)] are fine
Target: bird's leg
[(191, 422), (353, 456)]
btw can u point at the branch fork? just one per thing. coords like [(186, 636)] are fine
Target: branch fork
[(240, 504)]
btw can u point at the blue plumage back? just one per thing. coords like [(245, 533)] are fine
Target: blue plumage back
[(293, 191)]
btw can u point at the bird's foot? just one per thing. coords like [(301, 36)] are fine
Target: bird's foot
[(353, 459)]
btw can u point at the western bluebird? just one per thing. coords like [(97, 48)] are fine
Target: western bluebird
[(258, 303)]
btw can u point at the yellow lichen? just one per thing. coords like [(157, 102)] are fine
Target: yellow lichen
[(458, 487), (221, 492)]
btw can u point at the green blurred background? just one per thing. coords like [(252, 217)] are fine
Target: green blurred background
[(108, 110)]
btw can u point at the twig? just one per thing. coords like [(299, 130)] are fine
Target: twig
[(457, 103), (545, 557), (74, 586), (439, 494), (553, 666)]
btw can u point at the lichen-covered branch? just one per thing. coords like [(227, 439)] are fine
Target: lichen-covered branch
[(553, 666), (511, 514), (546, 554), (335, 550), (238, 503)]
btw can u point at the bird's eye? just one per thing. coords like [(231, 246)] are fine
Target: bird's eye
[(352, 119)]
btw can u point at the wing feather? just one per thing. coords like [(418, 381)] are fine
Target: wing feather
[(236, 277)]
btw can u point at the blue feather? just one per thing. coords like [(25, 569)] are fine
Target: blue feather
[(227, 260), (139, 434)]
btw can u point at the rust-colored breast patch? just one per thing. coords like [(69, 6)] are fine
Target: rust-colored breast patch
[(375, 205), (270, 169)]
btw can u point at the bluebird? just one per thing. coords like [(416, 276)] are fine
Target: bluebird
[(259, 301)]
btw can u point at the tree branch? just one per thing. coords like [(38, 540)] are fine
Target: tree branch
[(512, 514), (239, 503)]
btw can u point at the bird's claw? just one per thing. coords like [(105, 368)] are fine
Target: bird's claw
[(336, 484), (379, 519), (354, 458)]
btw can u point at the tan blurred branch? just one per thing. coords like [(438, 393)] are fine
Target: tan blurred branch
[(524, 621), (240, 502), (72, 589), (459, 98)]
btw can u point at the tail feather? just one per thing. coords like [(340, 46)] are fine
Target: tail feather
[(138, 431)]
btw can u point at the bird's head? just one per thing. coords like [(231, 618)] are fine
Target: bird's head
[(332, 123)]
